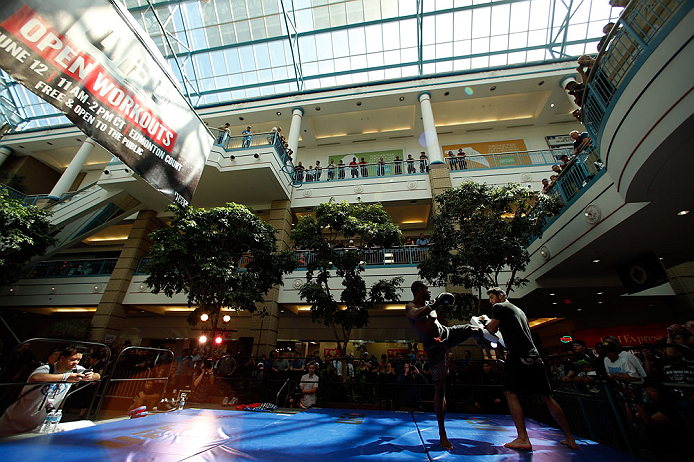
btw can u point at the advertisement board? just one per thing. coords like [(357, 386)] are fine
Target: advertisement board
[(489, 154), (89, 59)]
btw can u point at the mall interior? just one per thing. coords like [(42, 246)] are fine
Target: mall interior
[(383, 80)]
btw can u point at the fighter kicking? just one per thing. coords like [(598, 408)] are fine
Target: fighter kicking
[(524, 370), (437, 338)]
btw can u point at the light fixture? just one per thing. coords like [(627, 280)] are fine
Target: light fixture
[(597, 260), (541, 82), (580, 309), (232, 157), (552, 295), (600, 303), (402, 98), (240, 118), (682, 212), (97, 289), (554, 303), (493, 88), (317, 108), (551, 105), (601, 292), (204, 317), (202, 339), (279, 113), (52, 290), (256, 155), (358, 103), (447, 93), (218, 340), (226, 318), (12, 290)]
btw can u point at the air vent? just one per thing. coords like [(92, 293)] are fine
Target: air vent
[(443, 133), (563, 122), (481, 129), (363, 141), (520, 126), (328, 144), (400, 137)]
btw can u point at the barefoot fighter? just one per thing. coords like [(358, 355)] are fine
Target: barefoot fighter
[(524, 371), (437, 338)]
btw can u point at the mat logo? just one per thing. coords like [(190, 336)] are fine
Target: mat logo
[(483, 424), (351, 418)]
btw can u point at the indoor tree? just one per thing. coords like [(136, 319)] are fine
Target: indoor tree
[(368, 226)]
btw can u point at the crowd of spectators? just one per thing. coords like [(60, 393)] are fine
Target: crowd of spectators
[(581, 142), (275, 137), (359, 168)]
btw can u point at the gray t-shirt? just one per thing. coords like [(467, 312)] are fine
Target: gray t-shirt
[(309, 383), (27, 413)]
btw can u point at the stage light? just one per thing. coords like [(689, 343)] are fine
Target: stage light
[(226, 318), (203, 339), (204, 317), (218, 340)]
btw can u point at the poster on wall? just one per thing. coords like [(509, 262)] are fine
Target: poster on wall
[(489, 154), (93, 62), (559, 141)]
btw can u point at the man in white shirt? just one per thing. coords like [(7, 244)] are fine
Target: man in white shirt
[(309, 387), (619, 367), (35, 401)]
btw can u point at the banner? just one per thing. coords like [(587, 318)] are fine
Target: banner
[(490, 154), (89, 59), (626, 335)]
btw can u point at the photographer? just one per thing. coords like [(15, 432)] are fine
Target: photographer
[(204, 383), (35, 401), (410, 382)]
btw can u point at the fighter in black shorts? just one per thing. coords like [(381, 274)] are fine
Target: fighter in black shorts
[(437, 338), (524, 371)]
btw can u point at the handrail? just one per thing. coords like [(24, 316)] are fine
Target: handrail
[(368, 170), (65, 268), (501, 159)]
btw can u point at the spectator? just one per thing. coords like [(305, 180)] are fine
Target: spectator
[(319, 170), (281, 364), (576, 90), (633, 360), (557, 370), (363, 169), (423, 167), (149, 396), (299, 172), (581, 141), (490, 399), (452, 161), (224, 132), (341, 170), (605, 30), (354, 167), (620, 368), (226, 367), (545, 186), (422, 241), (309, 387), (331, 170), (53, 357), (398, 165), (462, 159), (248, 136), (410, 164), (410, 382), (409, 241), (29, 410), (381, 167), (297, 364), (564, 161)]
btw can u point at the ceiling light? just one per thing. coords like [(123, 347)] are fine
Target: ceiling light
[(580, 309), (358, 103), (226, 318), (447, 93), (682, 212), (204, 317), (202, 339), (554, 303), (402, 98), (552, 295), (551, 105), (218, 340), (597, 260), (601, 292), (493, 88), (279, 113), (317, 108), (21, 146), (600, 303), (49, 143), (240, 118), (541, 82)]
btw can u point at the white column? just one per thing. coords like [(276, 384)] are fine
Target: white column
[(72, 170), (295, 130), (4, 153), (430, 136)]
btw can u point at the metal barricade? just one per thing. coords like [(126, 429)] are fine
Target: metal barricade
[(127, 381)]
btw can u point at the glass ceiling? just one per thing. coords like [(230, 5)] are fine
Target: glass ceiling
[(233, 50)]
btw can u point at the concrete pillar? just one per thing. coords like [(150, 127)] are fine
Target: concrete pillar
[(110, 313), (431, 138), (72, 170), (281, 219), (295, 129), (4, 154)]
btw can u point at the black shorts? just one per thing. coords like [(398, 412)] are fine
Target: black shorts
[(436, 353), (526, 375)]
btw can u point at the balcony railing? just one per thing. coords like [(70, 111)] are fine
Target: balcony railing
[(72, 268), (638, 31), (254, 140), (408, 255), (506, 159), (347, 172)]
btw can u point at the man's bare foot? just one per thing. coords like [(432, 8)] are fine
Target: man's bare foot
[(445, 444), (570, 443), (518, 443)]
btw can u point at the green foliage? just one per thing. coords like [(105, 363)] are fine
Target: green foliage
[(25, 232), (74, 329), (481, 234), (199, 255), (368, 225)]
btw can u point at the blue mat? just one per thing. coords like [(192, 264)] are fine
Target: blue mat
[(316, 435)]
